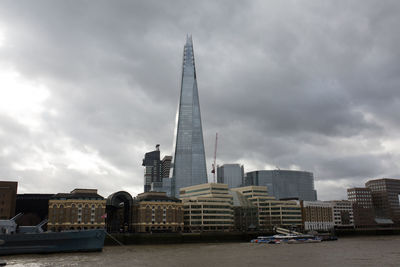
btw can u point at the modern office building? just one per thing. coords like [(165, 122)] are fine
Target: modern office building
[(8, 195), (363, 209), (156, 212), (166, 166), (152, 168), (80, 209), (207, 207), (190, 162), (230, 174), (285, 184), (386, 198), (245, 213), (342, 213), (317, 215), (155, 170), (272, 212)]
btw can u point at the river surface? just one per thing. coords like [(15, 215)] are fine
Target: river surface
[(349, 251)]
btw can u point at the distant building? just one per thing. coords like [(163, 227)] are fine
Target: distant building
[(155, 170), (317, 215), (166, 166), (152, 171), (230, 174), (285, 184), (272, 212), (80, 209), (156, 212), (245, 213), (386, 198), (208, 207), (342, 213), (363, 209), (8, 194), (35, 208)]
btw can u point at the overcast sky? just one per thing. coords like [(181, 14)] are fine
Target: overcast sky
[(87, 87)]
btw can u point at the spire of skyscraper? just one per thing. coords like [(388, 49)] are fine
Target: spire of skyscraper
[(189, 162)]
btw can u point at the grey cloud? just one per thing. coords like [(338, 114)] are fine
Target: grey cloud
[(312, 85)]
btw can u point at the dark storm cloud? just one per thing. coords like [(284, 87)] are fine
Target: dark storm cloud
[(312, 86)]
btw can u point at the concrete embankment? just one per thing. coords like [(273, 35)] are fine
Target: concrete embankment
[(216, 237), (368, 231), (177, 238)]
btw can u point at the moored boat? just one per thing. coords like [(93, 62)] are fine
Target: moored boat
[(290, 239), (32, 239)]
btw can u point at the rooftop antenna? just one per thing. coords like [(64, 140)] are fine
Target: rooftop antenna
[(215, 157)]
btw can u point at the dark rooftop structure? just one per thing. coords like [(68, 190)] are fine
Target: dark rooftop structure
[(35, 208), (156, 196), (79, 194)]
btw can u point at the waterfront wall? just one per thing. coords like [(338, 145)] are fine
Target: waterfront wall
[(220, 237), (368, 232), (177, 238)]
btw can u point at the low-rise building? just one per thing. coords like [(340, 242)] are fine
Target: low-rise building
[(342, 213), (317, 215), (156, 212), (8, 194), (79, 209), (208, 207), (272, 212), (245, 213)]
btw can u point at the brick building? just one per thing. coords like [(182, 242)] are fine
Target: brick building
[(386, 198), (156, 212), (78, 210), (317, 215), (8, 194), (363, 209)]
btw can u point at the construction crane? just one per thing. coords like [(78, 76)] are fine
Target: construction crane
[(215, 157)]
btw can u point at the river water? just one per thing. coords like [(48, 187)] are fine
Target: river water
[(349, 251)]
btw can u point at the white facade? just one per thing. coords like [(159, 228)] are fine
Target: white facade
[(343, 213), (318, 226)]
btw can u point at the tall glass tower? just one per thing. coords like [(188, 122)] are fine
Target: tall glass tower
[(190, 162)]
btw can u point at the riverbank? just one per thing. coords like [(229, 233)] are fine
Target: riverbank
[(222, 237), (368, 231), (179, 238)]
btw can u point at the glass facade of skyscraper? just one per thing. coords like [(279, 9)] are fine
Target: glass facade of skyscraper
[(230, 174), (189, 162), (285, 183)]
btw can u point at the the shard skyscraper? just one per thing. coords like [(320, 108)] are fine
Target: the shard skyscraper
[(189, 162)]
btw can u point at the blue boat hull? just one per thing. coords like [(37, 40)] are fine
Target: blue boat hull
[(51, 242)]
